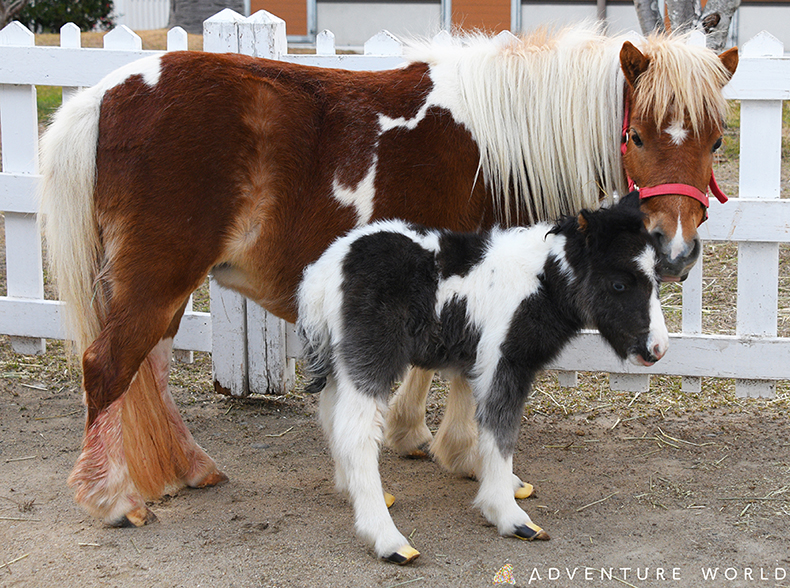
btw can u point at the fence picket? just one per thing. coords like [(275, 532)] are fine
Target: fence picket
[(19, 128)]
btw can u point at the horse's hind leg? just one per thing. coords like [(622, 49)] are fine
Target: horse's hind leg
[(406, 431), (136, 446)]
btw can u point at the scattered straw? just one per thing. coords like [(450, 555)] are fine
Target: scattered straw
[(406, 582), (12, 459), (19, 519), (13, 561), (624, 582), (58, 416), (281, 434), (581, 508)]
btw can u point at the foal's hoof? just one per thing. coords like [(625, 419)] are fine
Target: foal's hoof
[(404, 555), (531, 532), (389, 499), (213, 479), (137, 518), (525, 491), (421, 452)]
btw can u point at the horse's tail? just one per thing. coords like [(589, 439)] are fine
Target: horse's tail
[(314, 330), (74, 245)]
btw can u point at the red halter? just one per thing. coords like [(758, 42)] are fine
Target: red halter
[(663, 189)]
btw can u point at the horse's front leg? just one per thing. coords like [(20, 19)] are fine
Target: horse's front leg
[(354, 421), (406, 431), (455, 444), (498, 416)]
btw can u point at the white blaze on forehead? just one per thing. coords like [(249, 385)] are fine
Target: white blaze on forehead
[(678, 132), (359, 197)]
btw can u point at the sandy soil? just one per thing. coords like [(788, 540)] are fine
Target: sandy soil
[(660, 496)]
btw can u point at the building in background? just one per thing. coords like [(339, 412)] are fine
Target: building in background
[(355, 21)]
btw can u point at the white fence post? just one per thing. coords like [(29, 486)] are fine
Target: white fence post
[(760, 173), (228, 308), (19, 126)]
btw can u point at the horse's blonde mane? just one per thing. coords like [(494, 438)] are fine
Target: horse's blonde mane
[(681, 74), (546, 109)]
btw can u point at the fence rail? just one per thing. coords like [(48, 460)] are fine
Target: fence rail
[(254, 352)]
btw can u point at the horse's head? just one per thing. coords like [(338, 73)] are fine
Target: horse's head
[(673, 129), (620, 288)]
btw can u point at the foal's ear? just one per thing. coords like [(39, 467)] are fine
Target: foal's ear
[(583, 223), (630, 200), (729, 59), (633, 62)]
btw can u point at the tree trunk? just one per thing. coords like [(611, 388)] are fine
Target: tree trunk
[(9, 9), (715, 22), (685, 15), (190, 14), (649, 17)]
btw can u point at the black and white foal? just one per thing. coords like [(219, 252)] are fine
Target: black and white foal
[(495, 307)]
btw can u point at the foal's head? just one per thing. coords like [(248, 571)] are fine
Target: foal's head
[(619, 287), (676, 115)]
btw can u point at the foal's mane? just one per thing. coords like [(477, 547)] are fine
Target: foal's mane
[(546, 110)]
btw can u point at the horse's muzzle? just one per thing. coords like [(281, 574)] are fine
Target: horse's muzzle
[(677, 257)]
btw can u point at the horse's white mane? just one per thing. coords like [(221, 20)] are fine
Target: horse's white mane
[(546, 111)]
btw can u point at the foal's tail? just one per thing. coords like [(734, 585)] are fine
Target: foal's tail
[(314, 331), (75, 250)]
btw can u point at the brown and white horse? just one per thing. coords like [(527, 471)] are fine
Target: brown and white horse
[(190, 163)]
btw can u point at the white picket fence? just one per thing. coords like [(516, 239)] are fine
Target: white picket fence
[(252, 351)]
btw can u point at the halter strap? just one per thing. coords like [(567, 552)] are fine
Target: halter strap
[(664, 189)]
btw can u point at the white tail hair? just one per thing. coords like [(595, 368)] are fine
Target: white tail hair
[(68, 167)]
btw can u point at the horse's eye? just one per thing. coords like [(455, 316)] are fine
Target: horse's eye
[(636, 138), (717, 145), (618, 286)]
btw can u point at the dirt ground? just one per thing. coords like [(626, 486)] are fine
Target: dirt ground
[(634, 490)]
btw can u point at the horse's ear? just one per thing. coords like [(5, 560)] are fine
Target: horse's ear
[(729, 60), (633, 62)]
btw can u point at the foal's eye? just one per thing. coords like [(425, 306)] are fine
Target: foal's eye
[(636, 138), (717, 145), (618, 286)]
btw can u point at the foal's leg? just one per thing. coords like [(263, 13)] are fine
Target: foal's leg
[(406, 431), (499, 412), (355, 421)]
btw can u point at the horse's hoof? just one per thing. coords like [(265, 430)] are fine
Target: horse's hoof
[(389, 499), (525, 491), (137, 518), (213, 479), (421, 452), (531, 532), (404, 555)]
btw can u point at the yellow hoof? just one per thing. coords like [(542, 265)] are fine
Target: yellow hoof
[(404, 555), (525, 491), (389, 499)]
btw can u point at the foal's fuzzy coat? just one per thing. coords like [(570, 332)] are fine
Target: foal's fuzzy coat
[(495, 307)]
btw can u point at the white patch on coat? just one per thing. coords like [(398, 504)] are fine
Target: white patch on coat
[(496, 286), (359, 197), (677, 132)]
